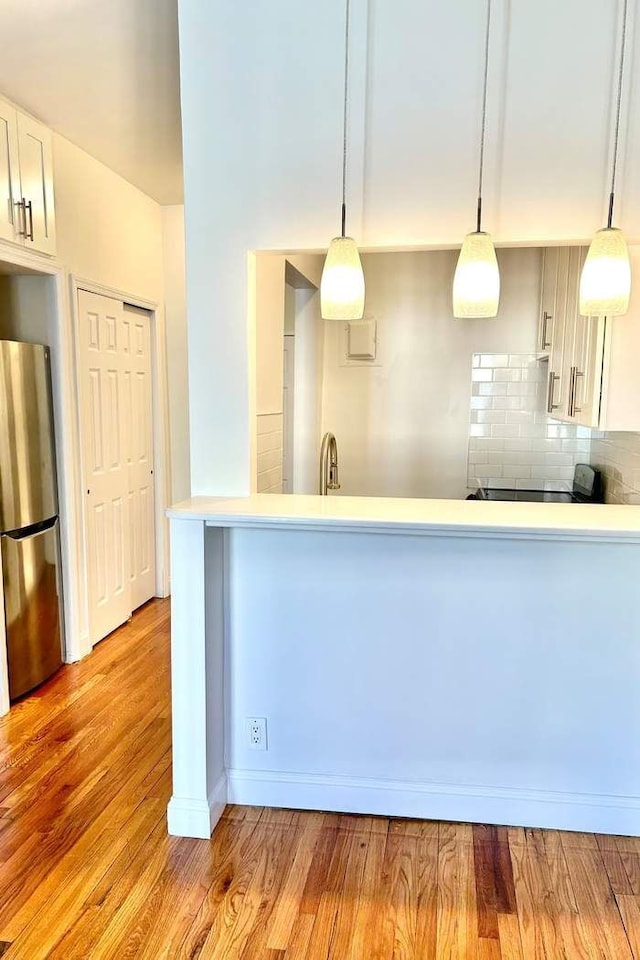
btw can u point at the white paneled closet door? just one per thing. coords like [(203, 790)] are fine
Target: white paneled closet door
[(140, 498), (116, 424)]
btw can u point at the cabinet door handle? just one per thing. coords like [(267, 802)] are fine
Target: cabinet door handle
[(545, 324), (577, 374), (553, 378), (28, 207), (572, 390), (20, 204)]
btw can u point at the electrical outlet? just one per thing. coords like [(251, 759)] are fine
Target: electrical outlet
[(257, 732)]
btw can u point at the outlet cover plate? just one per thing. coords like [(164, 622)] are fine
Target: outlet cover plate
[(257, 733)]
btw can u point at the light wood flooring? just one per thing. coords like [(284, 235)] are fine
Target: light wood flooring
[(88, 871)]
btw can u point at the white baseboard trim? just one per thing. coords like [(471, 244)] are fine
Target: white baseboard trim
[(197, 818), (596, 813)]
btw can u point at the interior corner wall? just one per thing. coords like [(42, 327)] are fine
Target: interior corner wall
[(308, 379), (270, 311), (176, 332)]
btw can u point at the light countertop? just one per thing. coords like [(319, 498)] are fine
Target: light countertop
[(417, 517)]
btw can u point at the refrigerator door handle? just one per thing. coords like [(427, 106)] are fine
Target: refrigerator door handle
[(35, 530)]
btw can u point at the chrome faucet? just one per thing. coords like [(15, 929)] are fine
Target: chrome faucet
[(328, 465)]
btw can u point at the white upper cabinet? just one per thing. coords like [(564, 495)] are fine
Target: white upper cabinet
[(10, 222), (27, 212), (36, 181), (593, 375)]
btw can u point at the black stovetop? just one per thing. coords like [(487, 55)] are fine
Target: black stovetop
[(532, 496)]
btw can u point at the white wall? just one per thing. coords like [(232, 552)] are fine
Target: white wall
[(107, 230), (402, 425), (260, 176), (308, 382), (446, 677), (176, 328), (270, 312)]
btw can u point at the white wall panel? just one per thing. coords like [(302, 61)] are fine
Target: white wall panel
[(558, 92), (435, 668), (424, 98)]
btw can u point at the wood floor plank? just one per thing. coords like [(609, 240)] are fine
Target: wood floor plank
[(624, 875), (107, 898), (631, 863), (319, 871), (401, 899), (288, 841), (300, 937), (327, 910), (486, 893), (346, 914), (539, 929), (21, 893), (236, 855), (573, 933), (286, 911), (232, 940), (66, 893), (629, 907), (366, 933), (596, 903), (489, 949), (510, 942), (457, 923)]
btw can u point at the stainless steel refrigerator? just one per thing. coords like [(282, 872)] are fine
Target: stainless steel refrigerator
[(29, 526)]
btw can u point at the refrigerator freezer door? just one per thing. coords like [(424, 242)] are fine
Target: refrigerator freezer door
[(32, 607), (27, 460)]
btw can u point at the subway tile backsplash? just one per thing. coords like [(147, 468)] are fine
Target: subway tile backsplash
[(618, 456), (512, 440)]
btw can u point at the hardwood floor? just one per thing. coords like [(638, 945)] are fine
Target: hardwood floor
[(87, 870)]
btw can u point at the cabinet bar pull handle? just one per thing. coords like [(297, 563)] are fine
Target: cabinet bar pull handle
[(20, 204), (551, 406), (576, 408), (545, 323), (28, 206), (572, 390)]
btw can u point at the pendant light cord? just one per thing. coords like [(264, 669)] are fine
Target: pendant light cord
[(616, 136), (345, 120), (484, 115)]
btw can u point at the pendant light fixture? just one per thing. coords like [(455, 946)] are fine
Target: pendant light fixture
[(342, 284), (605, 284), (476, 284)]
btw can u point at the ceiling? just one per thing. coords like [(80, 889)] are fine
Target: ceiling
[(104, 74)]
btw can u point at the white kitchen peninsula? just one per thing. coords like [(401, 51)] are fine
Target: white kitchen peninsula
[(423, 658)]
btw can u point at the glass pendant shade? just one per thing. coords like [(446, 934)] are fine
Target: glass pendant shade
[(605, 284), (342, 284), (476, 284)]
